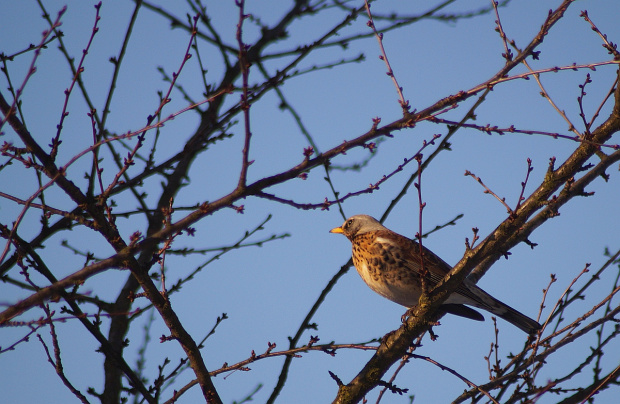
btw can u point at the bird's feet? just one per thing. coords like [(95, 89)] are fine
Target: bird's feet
[(408, 313)]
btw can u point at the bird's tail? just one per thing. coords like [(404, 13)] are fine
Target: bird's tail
[(501, 309)]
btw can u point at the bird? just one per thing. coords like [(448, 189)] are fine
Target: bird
[(390, 265)]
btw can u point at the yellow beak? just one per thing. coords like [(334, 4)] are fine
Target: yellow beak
[(336, 230)]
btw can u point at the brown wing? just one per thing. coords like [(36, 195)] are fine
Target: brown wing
[(436, 267)]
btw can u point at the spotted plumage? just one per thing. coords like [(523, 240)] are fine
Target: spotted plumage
[(390, 265)]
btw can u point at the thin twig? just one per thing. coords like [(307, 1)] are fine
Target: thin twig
[(403, 103)]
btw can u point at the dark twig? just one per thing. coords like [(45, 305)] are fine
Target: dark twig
[(403, 103), (57, 361), (45, 37), (500, 29), (487, 190), (418, 235), (56, 140), (325, 205), (611, 47), (511, 129), (245, 105), (524, 184)]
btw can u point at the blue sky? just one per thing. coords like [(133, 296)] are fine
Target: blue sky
[(266, 291)]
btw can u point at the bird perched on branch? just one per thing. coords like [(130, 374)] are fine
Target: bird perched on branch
[(390, 265)]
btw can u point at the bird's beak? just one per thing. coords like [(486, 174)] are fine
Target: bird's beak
[(337, 230)]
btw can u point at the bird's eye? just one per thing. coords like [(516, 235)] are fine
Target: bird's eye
[(348, 223)]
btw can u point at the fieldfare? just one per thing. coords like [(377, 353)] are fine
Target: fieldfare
[(390, 265)]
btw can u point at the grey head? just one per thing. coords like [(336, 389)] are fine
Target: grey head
[(358, 224)]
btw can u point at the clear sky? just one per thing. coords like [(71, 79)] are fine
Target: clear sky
[(266, 291)]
